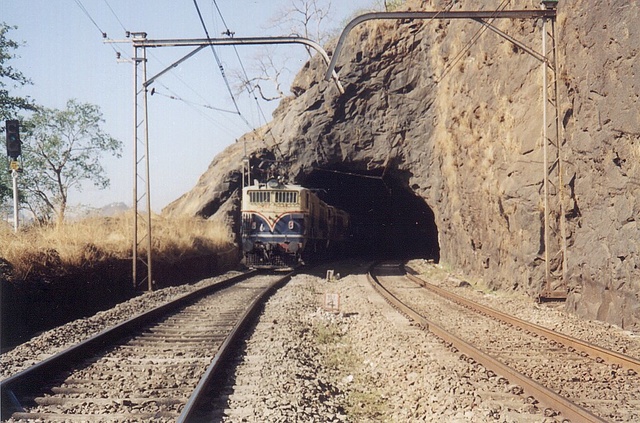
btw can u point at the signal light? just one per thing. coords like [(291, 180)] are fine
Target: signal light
[(14, 146)]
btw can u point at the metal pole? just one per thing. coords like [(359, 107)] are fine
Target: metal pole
[(148, 188), (563, 223), (16, 214), (135, 166), (201, 43), (547, 272), (461, 14)]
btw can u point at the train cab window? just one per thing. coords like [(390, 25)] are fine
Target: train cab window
[(286, 197), (259, 196)]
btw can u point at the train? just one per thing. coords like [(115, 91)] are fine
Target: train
[(286, 225)]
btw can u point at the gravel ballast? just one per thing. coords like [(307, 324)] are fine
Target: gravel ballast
[(360, 361)]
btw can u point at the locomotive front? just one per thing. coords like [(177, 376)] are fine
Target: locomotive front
[(273, 225)]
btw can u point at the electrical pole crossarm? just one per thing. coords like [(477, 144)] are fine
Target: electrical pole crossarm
[(202, 42), (460, 14)]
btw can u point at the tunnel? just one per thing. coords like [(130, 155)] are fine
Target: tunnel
[(388, 220)]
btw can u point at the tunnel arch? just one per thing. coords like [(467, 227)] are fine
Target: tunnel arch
[(389, 221)]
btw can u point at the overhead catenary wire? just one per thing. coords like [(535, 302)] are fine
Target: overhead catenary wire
[(116, 16), (198, 109), (249, 88), (229, 126), (206, 106), (88, 15), (226, 27), (220, 67), (102, 33), (193, 104), (468, 45)]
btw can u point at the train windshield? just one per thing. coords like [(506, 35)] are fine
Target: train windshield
[(278, 197), (259, 196), (286, 197)]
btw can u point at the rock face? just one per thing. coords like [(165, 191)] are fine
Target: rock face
[(450, 116)]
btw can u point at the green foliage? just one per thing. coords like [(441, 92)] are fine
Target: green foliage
[(10, 105), (61, 150), (11, 78), (393, 5)]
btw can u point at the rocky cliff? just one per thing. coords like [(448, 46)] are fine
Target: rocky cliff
[(442, 121)]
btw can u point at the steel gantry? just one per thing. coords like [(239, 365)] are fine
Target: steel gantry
[(142, 191), (141, 175), (551, 138)]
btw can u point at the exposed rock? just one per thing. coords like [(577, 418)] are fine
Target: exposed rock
[(458, 123)]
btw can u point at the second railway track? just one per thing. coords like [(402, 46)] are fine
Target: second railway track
[(600, 387), (149, 373)]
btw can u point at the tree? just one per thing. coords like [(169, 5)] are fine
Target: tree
[(10, 105), (306, 18), (266, 71), (61, 150), (393, 5), (302, 18), (11, 78)]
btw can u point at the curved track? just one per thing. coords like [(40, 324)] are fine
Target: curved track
[(152, 368), (581, 381)]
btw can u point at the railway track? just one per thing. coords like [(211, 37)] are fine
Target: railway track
[(153, 367), (584, 382)]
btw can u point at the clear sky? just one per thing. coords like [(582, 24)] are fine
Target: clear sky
[(65, 56)]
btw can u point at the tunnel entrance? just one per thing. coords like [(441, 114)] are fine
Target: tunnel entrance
[(388, 220)]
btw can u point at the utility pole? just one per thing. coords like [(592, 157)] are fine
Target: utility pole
[(141, 181), (553, 163), (142, 221), (14, 150), (16, 211)]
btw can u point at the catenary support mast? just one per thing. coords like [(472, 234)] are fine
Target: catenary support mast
[(555, 250), (142, 191)]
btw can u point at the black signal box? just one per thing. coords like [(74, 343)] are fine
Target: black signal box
[(14, 145)]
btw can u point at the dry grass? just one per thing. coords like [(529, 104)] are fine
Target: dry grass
[(92, 240)]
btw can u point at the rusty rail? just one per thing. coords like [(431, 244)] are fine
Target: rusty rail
[(37, 375), (543, 394), (591, 350)]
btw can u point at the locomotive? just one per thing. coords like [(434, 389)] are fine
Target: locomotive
[(284, 225)]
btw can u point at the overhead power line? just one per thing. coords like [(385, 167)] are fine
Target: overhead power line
[(93, 21), (206, 106), (116, 16), (250, 89), (215, 3), (220, 67), (86, 12), (469, 44)]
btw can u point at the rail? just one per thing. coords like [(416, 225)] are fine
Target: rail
[(216, 366), (16, 385), (592, 350), (546, 396)]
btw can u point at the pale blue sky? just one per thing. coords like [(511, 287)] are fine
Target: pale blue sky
[(65, 57)]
